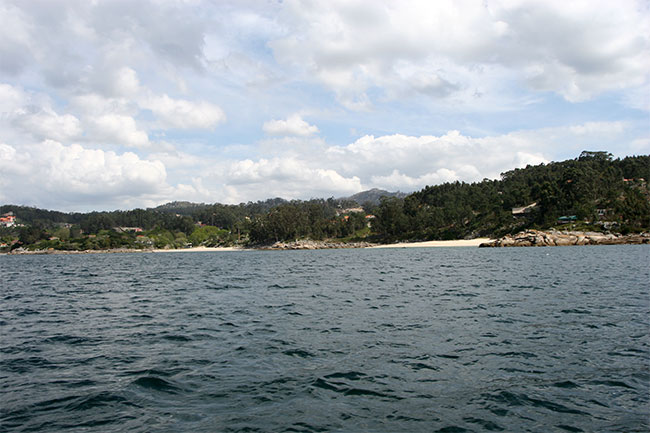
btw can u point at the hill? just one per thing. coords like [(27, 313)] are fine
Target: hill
[(180, 207), (373, 196), (592, 192)]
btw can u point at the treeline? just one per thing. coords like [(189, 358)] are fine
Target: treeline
[(174, 217), (314, 219), (182, 224), (593, 188)]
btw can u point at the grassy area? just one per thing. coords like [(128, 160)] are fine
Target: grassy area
[(358, 236)]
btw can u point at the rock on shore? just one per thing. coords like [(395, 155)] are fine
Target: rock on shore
[(537, 238), (315, 245)]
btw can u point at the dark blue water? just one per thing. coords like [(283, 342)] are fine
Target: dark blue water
[(449, 340)]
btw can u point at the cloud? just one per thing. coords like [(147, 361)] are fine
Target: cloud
[(401, 162), (11, 98), (58, 176), (396, 162), (238, 181), (294, 125), (15, 40), (290, 174), (116, 129), (442, 48), (32, 115), (151, 76), (45, 123), (95, 104), (119, 82), (397, 180), (409, 163), (183, 114), (173, 32), (73, 177)]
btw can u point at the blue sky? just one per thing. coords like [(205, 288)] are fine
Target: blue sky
[(122, 104)]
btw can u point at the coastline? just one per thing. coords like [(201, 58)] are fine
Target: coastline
[(437, 244), (522, 239), (554, 238), (122, 251), (310, 245), (198, 250)]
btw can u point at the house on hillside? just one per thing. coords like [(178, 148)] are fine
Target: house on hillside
[(8, 220), (128, 229), (349, 210), (523, 211)]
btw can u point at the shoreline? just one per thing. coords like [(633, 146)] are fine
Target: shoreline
[(554, 238), (123, 251), (526, 238), (425, 244), (198, 250), (437, 244)]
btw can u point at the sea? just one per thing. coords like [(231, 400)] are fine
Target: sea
[(365, 340)]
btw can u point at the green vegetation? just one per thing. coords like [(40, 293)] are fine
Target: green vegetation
[(594, 188), (593, 192)]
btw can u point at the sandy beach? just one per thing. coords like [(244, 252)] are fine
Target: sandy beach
[(427, 244), (198, 250), (453, 243)]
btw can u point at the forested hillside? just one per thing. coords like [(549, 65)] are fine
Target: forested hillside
[(592, 192), (593, 188)]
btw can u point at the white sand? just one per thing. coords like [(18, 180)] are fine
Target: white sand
[(455, 243), (198, 250)]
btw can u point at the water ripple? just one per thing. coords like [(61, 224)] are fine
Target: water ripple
[(447, 340)]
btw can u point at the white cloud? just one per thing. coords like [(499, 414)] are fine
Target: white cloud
[(52, 174), (32, 115), (400, 181), (58, 175), (410, 163), (116, 129), (594, 128), (15, 40), (109, 75), (118, 82), (94, 104), (399, 162), (577, 51), (285, 177), (294, 125), (183, 114), (11, 99), (45, 123)]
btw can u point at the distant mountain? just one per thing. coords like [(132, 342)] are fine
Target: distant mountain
[(181, 207), (188, 208), (374, 196)]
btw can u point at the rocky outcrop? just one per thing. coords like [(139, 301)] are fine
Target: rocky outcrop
[(537, 238), (315, 245)]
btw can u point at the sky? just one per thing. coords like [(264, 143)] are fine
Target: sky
[(122, 104)]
